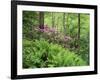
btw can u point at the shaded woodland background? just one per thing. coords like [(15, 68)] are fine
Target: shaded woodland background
[(55, 39)]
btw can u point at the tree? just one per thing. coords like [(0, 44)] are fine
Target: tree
[(78, 26), (64, 23), (78, 34), (53, 20), (57, 25), (41, 20)]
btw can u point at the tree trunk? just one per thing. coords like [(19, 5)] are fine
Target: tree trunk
[(67, 25), (64, 25), (53, 20), (78, 34), (78, 27), (57, 23), (41, 20)]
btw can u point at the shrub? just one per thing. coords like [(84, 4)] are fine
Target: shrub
[(50, 34)]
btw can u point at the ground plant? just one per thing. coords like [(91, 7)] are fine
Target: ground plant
[(55, 39)]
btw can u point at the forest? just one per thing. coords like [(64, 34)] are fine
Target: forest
[(55, 39)]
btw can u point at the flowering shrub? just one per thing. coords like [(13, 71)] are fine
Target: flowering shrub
[(46, 29), (52, 35)]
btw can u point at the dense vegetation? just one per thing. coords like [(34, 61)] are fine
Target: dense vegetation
[(52, 39)]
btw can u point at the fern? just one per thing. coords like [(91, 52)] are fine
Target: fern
[(41, 53)]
